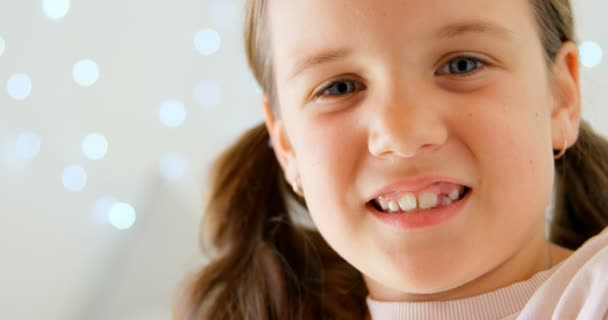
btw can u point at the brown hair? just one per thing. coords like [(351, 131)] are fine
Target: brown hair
[(267, 266)]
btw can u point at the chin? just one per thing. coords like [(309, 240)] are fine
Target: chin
[(404, 282)]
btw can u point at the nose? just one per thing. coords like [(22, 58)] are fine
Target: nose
[(404, 124)]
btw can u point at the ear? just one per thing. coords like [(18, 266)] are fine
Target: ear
[(280, 142), (566, 113)]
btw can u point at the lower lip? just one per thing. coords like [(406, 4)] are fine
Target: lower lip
[(418, 220)]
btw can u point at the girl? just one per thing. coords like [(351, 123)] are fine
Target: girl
[(424, 139)]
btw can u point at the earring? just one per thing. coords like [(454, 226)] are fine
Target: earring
[(292, 172), (562, 151), (297, 188)]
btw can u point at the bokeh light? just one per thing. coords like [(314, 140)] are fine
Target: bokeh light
[(172, 113), (74, 178), (103, 205), (2, 46), (207, 41), (122, 216), (55, 9), (19, 86), (591, 54), (85, 72), (95, 146), (27, 145)]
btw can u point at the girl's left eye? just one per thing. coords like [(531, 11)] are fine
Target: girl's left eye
[(461, 66), (339, 88)]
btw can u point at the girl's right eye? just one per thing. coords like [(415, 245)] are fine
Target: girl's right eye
[(340, 88)]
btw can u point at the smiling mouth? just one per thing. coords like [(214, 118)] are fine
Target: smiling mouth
[(426, 202)]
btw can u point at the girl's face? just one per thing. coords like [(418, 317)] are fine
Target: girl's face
[(446, 93)]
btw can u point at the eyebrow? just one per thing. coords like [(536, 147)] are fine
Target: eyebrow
[(319, 59), (444, 33), (475, 27)]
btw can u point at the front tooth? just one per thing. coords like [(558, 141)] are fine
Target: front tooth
[(393, 206), (428, 200), (454, 194), (407, 202), (383, 203)]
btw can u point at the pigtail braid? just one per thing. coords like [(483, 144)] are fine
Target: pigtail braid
[(581, 201), (267, 267)]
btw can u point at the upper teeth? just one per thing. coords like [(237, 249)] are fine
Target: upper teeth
[(454, 194), (407, 202), (428, 200), (425, 200)]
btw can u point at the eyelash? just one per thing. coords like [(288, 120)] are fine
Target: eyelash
[(478, 65)]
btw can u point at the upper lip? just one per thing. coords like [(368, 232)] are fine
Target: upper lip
[(412, 185)]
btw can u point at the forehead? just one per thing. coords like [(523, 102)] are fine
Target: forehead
[(300, 28)]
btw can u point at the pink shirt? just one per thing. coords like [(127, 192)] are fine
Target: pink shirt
[(576, 288)]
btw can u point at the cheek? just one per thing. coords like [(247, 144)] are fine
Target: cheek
[(511, 144), (329, 164), (328, 152)]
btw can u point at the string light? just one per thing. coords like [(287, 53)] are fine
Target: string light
[(172, 113), (85, 72), (95, 146), (74, 178), (122, 216), (55, 9), (19, 86), (591, 54), (207, 41)]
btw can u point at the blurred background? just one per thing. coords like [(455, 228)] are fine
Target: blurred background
[(110, 114)]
